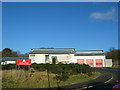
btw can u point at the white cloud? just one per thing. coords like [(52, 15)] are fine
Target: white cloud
[(109, 15)]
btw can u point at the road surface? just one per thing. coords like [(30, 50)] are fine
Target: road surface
[(104, 82)]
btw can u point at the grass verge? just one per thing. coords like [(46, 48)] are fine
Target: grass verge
[(25, 79)]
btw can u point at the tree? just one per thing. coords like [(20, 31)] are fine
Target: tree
[(15, 54), (7, 52), (54, 60), (24, 55), (60, 73), (61, 77), (113, 54)]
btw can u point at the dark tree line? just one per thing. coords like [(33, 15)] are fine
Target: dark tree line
[(113, 54), (7, 52)]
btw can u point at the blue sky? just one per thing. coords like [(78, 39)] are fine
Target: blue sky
[(83, 26)]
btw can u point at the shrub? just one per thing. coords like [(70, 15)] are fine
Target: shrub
[(9, 67), (38, 67), (54, 68)]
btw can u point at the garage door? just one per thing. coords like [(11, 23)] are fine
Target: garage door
[(99, 62), (89, 62), (80, 61)]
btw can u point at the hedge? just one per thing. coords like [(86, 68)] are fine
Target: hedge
[(54, 68)]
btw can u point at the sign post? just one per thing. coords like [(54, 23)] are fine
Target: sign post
[(23, 62)]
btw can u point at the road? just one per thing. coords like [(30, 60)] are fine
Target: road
[(112, 74), (104, 82)]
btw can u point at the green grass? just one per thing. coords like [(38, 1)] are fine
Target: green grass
[(38, 79), (80, 78)]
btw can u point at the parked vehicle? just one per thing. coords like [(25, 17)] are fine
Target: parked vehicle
[(117, 85)]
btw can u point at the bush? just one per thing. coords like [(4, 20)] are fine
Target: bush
[(54, 68), (38, 67), (9, 67), (24, 67)]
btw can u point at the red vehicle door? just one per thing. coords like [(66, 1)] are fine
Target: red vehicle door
[(80, 61), (89, 62), (99, 62)]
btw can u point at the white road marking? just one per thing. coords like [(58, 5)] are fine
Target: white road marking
[(92, 86), (87, 87), (84, 87), (109, 79)]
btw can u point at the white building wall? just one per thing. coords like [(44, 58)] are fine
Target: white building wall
[(10, 62), (60, 57), (69, 58), (38, 58), (72, 59)]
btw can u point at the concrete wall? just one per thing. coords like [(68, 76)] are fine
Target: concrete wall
[(108, 62)]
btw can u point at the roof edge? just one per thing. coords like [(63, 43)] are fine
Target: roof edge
[(89, 50)]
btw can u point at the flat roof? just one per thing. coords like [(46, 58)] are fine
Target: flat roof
[(62, 51), (53, 52), (12, 58), (90, 54), (53, 49), (90, 51)]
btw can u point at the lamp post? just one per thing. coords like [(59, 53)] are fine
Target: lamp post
[(48, 76)]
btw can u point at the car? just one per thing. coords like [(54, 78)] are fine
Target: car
[(117, 86)]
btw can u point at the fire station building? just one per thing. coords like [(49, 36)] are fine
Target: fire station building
[(94, 58)]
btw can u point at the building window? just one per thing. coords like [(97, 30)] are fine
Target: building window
[(47, 58), (32, 55), (90, 63), (64, 62), (98, 63)]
